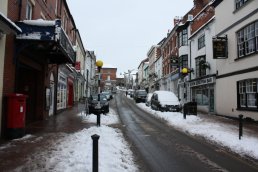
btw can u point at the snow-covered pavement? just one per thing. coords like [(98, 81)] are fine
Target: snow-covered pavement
[(214, 131), (73, 152)]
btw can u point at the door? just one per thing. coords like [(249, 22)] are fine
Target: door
[(211, 101), (52, 94), (27, 84)]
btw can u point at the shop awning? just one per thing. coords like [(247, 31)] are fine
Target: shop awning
[(46, 39), (7, 26)]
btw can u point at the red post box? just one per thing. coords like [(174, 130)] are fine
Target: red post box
[(16, 110)]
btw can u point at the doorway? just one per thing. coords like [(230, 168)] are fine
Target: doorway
[(52, 95), (27, 80), (211, 104)]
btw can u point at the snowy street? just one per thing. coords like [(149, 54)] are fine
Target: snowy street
[(202, 142)]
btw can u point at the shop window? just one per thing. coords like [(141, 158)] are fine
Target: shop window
[(247, 39), (247, 93), (201, 96)]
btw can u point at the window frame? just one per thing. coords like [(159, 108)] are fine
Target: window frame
[(201, 41), (247, 40), (183, 38), (200, 71), (247, 94)]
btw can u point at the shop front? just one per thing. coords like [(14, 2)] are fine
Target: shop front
[(40, 48), (203, 93)]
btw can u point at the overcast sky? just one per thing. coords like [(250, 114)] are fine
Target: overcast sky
[(122, 31)]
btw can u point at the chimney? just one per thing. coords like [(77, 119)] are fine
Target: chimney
[(200, 3), (176, 20)]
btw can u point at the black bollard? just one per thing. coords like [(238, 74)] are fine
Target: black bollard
[(240, 126), (98, 119), (95, 153), (184, 113)]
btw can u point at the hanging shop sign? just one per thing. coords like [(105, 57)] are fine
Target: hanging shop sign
[(220, 47)]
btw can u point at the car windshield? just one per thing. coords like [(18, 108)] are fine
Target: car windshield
[(106, 93), (142, 93), (95, 97)]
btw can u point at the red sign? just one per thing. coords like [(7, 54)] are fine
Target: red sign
[(78, 65)]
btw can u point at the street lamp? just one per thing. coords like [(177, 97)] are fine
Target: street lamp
[(99, 65), (128, 82)]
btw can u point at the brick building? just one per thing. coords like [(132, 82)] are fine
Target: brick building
[(108, 78), (32, 57), (6, 27)]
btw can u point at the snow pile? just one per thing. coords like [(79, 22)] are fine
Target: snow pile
[(225, 135), (73, 152), (107, 119), (40, 22)]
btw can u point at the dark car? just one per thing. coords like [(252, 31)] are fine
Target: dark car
[(108, 95), (93, 104), (140, 96), (165, 101)]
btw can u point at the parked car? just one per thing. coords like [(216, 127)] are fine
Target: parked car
[(130, 92), (140, 96), (108, 95), (148, 99), (165, 101), (93, 102)]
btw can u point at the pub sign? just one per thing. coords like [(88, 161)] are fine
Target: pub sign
[(220, 48)]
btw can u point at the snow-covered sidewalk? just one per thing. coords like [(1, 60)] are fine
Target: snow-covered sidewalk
[(221, 134), (73, 152)]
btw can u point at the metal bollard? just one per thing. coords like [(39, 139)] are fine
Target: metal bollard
[(240, 126), (98, 119), (95, 153)]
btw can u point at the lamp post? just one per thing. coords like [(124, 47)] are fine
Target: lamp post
[(99, 65)]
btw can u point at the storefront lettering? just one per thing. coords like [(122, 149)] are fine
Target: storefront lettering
[(202, 82)]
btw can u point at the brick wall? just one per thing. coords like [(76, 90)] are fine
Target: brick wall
[(202, 18), (105, 72)]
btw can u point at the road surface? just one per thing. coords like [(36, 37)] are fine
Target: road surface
[(160, 147)]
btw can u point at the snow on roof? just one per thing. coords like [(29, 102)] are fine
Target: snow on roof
[(167, 97), (108, 66), (40, 22), (11, 24)]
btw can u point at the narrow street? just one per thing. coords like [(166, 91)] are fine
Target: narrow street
[(162, 148)]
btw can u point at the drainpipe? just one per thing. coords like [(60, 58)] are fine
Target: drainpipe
[(190, 76)]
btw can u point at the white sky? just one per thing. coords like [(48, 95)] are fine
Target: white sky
[(122, 31)]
